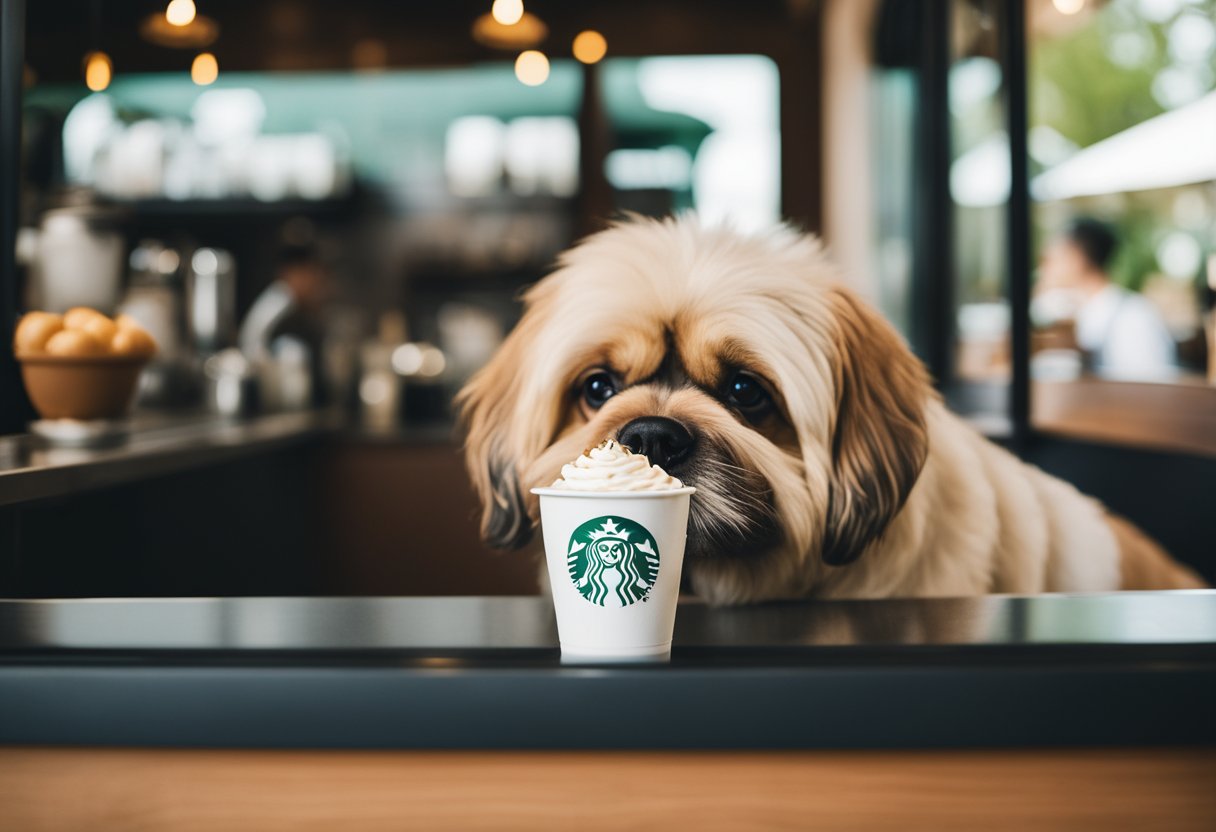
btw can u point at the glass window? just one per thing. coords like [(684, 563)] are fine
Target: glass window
[(893, 105), (698, 132), (979, 180), (1122, 140)]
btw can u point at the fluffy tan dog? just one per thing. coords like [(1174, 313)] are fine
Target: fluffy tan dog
[(825, 463)]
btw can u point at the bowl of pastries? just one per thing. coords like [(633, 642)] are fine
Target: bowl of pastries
[(81, 364)]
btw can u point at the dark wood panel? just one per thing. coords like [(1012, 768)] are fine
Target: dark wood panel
[(248, 527), (402, 519)]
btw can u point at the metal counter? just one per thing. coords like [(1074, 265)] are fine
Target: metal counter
[(30, 470), (1118, 669)]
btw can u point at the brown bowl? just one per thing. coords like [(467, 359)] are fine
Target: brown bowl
[(87, 387)]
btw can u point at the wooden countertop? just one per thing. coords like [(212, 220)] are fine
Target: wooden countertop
[(1178, 417)]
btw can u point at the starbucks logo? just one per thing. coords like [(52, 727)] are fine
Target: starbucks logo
[(613, 562)]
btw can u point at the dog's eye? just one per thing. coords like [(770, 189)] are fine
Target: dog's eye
[(598, 388), (745, 392)]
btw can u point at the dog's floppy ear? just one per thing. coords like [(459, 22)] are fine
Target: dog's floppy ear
[(879, 440), (485, 406)]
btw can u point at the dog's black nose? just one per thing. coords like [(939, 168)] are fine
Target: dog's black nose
[(664, 441)]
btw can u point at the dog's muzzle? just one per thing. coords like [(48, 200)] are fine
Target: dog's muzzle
[(665, 442), (732, 514)]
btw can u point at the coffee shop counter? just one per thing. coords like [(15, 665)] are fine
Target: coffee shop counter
[(302, 503), (1106, 698), (155, 444), (145, 447)]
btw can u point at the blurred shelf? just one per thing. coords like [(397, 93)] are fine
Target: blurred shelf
[(236, 208)]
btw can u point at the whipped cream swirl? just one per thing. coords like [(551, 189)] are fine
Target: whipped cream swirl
[(611, 467)]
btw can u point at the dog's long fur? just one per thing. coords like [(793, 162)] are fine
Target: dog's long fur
[(859, 483)]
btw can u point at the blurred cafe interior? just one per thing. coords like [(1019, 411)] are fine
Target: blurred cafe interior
[(325, 213)]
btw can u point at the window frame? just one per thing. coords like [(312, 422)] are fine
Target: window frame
[(14, 406)]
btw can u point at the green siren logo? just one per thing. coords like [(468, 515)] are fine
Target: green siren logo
[(613, 562)]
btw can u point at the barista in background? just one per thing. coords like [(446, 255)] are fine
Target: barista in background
[(286, 316), (1120, 332)]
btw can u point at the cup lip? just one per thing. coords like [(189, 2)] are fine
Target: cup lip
[(608, 495)]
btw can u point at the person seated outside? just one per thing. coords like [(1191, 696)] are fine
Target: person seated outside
[(1120, 332)]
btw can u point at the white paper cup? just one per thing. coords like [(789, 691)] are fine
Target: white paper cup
[(614, 568)]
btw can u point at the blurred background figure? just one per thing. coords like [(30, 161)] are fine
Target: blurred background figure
[(282, 333), (293, 299), (1120, 332)]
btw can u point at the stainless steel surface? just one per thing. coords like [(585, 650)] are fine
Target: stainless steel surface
[(357, 624), (1107, 670), (156, 298), (76, 433), (211, 305), (231, 386), (158, 445)]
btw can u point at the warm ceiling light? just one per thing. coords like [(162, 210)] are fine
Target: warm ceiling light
[(205, 69), (180, 12), (590, 47), (98, 70), (1068, 6), (528, 32), (199, 33), (507, 12), (532, 68)]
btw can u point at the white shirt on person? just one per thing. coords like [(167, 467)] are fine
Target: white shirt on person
[(1126, 336)]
